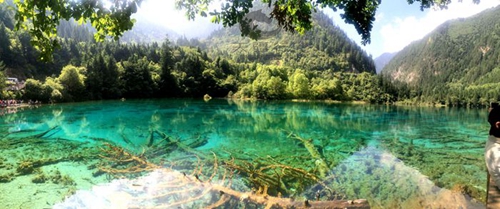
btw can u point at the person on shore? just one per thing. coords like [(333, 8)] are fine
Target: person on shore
[(492, 149)]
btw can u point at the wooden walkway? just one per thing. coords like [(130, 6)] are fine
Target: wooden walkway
[(493, 198)]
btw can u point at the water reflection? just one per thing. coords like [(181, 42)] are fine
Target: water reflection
[(393, 156)]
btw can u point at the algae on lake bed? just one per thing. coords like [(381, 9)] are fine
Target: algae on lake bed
[(391, 156)]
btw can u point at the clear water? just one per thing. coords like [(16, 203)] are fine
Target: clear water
[(395, 157)]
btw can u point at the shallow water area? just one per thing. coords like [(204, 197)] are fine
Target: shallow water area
[(395, 157)]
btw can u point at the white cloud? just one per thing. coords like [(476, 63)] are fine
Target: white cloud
[(402, 31), (391, 37), (163, 13), (379, 16)]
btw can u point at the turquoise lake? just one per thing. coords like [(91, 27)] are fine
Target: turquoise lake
[(394, 157)]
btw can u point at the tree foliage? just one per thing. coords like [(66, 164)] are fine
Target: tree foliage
[(103, 78), (72, 80), (33, 90), (3, 78), (137, 79), (295, 15), (112, 18), (41, 18), (324, 47), (188, 72), (325, 64), (168, 84)]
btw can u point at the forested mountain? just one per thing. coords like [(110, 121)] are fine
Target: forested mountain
[(382, 60), (456, 64), (325, 47), (323, 64), (146, 32), (142, 32)]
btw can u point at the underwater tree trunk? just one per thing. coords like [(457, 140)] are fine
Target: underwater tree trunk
[(218, 189), (319, 161)]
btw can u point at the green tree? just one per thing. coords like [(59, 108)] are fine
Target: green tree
[(327, 88), (269, 84), (6, 16), (191, 66), (41, 18), (136, 78), (5, 46), (168, 83), (102, 78), (275, 88), (73, 81), (298, 85), (33, 90), (52, 89), (95, 78), (111, 80), (294, 15), (3, 79)]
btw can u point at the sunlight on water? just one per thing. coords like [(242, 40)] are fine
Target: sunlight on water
[(395, 157), (387, 182)]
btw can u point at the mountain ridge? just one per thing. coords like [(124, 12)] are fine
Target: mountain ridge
[(382, 60), (459, 38), (454, 63), (326, 46)]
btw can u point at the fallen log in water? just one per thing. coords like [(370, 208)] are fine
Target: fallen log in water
[(45, 132), (200, 141), (319, 161), (150, 138), (180, 145), (126, 140), (181, 189)]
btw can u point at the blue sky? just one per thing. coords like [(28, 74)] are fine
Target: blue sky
[(397, 23)]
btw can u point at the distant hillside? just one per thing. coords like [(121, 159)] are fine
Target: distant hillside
[(142, 32), (382, 60), (461, 51), (315, 66), (146, 32), (325, 47)]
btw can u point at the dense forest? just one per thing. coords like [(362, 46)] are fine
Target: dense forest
[(323, 64), (457, 64), (325, 47)]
